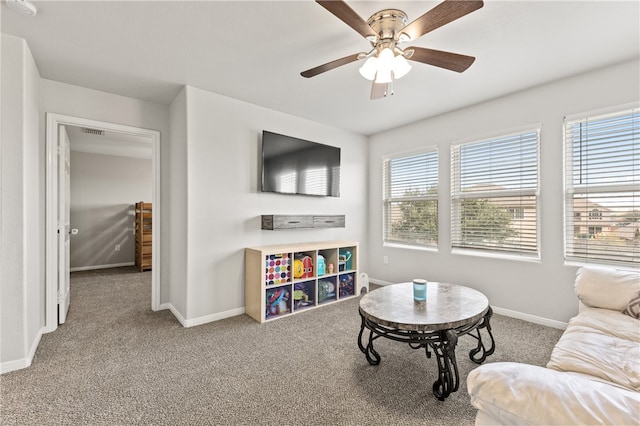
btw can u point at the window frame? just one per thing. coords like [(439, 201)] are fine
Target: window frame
[(387, 199), (457, 194), (570, 215)]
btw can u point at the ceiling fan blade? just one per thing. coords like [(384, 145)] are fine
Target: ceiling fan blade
[(439, 58), (378, 90), (347, 15), (329, 66), (442, 14)]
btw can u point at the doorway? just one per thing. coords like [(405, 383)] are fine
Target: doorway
[(57, 267)]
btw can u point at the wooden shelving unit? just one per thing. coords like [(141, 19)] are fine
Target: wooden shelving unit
[(281, 280), (144, 220)]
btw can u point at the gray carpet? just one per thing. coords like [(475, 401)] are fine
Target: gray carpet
[(115, 362)]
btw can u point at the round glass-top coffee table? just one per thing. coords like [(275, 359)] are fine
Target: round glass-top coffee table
[(450, 311)]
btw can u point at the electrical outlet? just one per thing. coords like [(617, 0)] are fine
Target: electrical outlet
[(117, 247), (385, 260)]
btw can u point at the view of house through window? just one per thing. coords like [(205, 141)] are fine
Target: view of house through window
[(410, 192), (495, 194), (602, 196)]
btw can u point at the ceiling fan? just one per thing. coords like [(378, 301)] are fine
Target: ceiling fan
[(386, 29)]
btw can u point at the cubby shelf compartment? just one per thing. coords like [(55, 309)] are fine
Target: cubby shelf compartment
[(285, 279), (277, 301)]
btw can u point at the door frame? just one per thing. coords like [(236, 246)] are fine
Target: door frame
[(64, 220), (53, 121)]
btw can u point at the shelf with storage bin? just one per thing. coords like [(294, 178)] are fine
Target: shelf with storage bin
[(346, 284), (143, 232), (285, 279), (327, 289), (304, 295), (278, 301)]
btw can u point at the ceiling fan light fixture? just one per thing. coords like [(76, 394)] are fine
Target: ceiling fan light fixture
[(383, 76), (400, 66), (388, 28), (384, 67), (369, 68), (385, 58)]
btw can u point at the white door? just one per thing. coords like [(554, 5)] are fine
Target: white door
[(64, 167)]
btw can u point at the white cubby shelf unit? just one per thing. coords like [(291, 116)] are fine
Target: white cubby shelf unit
[(286, 279)]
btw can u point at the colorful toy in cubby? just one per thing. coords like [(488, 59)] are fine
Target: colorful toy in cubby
[(347, 285), (344, 260), (326, 290), (303, 267), (321, 269), (278, 301), (303, 294), (277, 269)]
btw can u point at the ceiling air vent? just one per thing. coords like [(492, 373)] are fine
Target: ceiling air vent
[(96, 132)]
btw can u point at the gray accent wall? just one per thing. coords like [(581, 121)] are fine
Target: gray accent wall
[(104, 189)]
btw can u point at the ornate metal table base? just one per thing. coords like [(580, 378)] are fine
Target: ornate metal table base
[(442, 343)]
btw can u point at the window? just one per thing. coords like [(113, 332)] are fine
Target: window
[(494, 187), (602, 181), (410, 199)]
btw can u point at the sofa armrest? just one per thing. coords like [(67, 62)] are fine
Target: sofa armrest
[(521, 394)]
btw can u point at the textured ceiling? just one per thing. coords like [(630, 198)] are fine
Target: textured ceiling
[(255, 51)]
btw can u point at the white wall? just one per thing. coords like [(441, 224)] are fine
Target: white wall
[(78, 101), (225, 204), (177, 250), (104, 190), (22, 208), (539, 289)]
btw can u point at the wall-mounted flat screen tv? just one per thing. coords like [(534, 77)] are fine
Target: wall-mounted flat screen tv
[(297, 166)]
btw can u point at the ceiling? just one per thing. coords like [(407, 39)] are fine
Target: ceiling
[(109, 143), (255, 50)]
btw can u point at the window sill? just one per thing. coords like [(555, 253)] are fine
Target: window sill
[(615, 265), (410, 247), (535, 258)]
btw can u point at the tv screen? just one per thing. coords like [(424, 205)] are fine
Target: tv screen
[(297, 166)]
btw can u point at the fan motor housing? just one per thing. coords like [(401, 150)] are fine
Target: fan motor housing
[(387, 23)]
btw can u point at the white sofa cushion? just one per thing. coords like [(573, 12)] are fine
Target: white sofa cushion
[(521, 394), (601, 343), (606, 288)]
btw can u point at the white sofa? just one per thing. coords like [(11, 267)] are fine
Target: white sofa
[(593, 376)]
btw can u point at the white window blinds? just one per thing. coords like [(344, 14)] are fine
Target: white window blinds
[(410, 199), (602, 188), (494, 186)]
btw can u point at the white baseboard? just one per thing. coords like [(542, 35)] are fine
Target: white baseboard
[(174, 311), (378, 282), (19, 364), (200, 320), (92, 267), (214, 317), (163, 306), (530, 318)]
